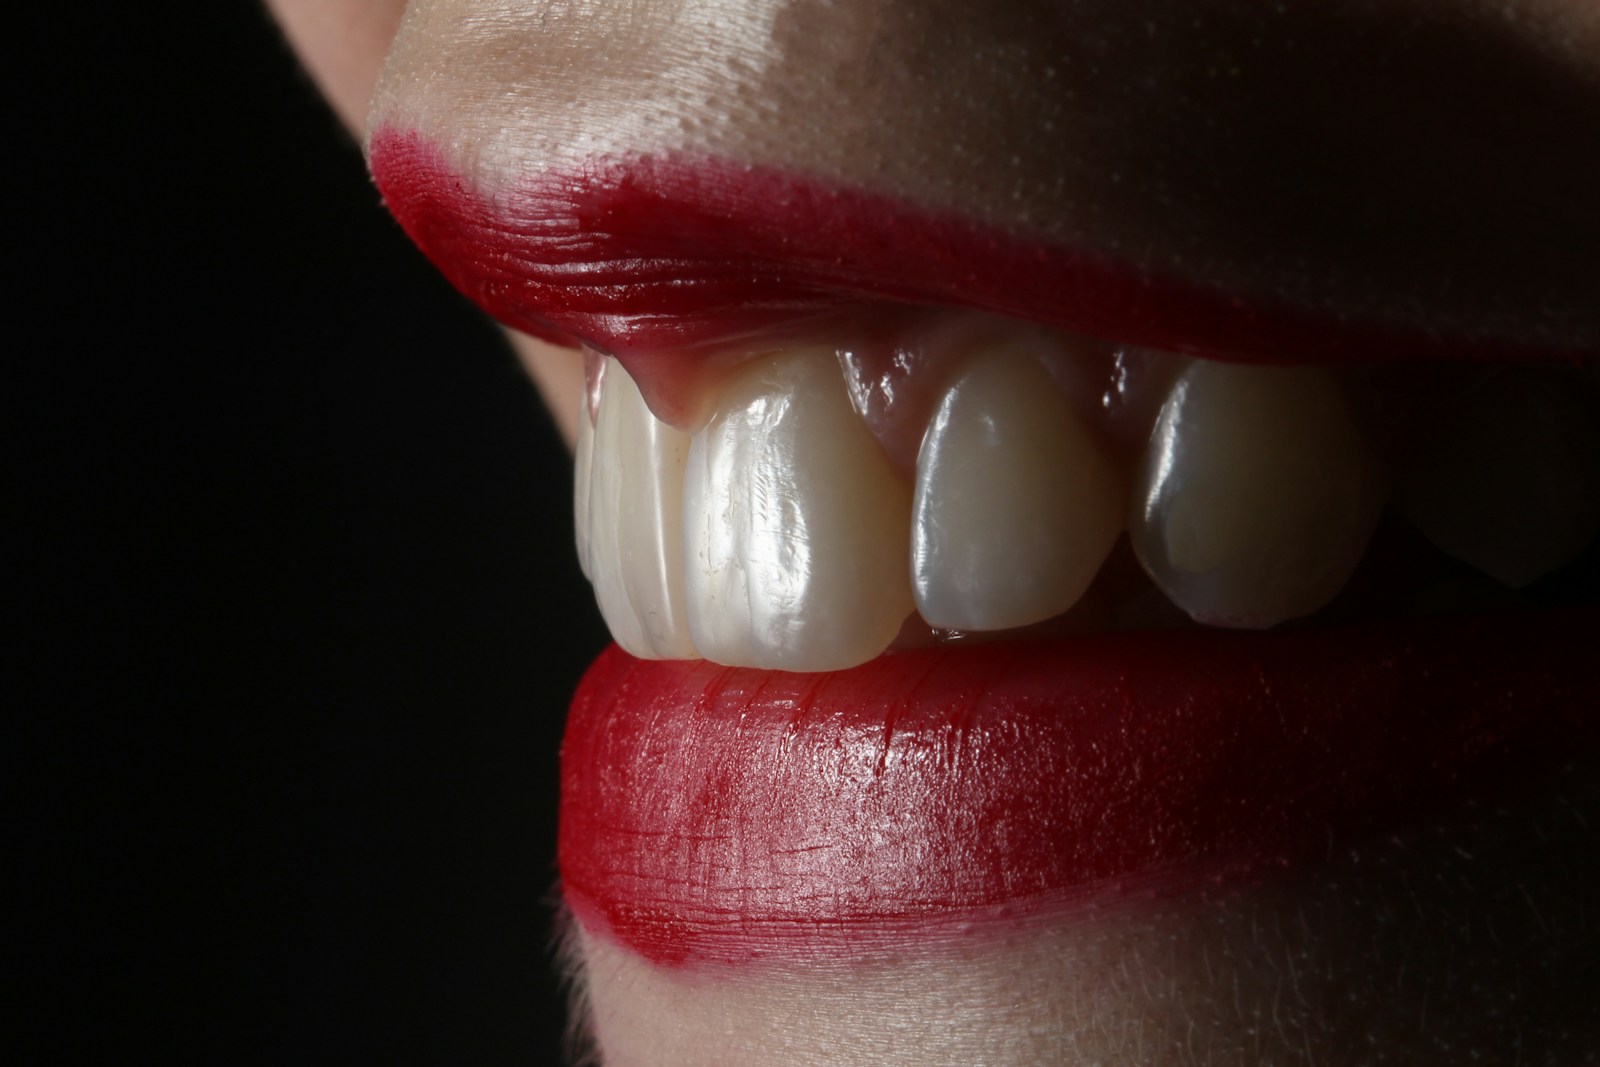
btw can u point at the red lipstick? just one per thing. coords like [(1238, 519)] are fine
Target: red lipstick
[(724, 814), (653, 254)]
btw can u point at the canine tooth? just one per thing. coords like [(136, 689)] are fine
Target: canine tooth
[(1256, 495), (795, 525), (635, 522), (1016, 503), (1508, 477)]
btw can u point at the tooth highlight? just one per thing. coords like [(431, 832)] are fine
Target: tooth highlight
[(1508, 478), (795, 524), (582, 481), (1016, 502), (1256, 494), (635, 521)]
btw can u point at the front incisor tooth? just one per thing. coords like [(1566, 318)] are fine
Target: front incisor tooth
[(1507, 478), (635, 522), (795, 524), (1016, 503), (1256, 494)]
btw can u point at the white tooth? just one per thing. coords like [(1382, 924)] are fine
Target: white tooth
[(1256, 495), (1508, 477), (1016, 502), (582, 479), (795, 525), (635, 519)]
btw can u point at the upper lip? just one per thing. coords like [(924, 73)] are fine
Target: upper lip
[(668, 254)]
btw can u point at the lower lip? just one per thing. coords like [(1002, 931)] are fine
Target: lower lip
[(715, 814)]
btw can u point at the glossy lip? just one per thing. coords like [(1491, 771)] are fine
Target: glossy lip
[(715, 814), (660, 254)]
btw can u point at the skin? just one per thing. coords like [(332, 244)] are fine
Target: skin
[(1098, 124)]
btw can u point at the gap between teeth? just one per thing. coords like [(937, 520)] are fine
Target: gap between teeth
[(780, 535)]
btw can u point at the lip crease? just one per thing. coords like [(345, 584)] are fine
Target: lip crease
[(726, 814), (661, 255)]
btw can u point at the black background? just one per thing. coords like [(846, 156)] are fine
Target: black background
[(299, 612)]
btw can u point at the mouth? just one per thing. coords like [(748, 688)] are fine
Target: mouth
[(942, 597)]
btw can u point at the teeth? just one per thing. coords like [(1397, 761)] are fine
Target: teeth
[(796, 527), (634, 520), (1016, 503), (582, 480), (1256, 494), (781, 535), (1508, 479)]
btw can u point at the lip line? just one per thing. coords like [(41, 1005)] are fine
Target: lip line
[(667, 256)]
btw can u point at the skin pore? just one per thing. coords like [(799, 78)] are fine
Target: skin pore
[(1464, 937)]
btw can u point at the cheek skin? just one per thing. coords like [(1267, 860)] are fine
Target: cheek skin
[(1458, 942), (342, 44), (558, 373)]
